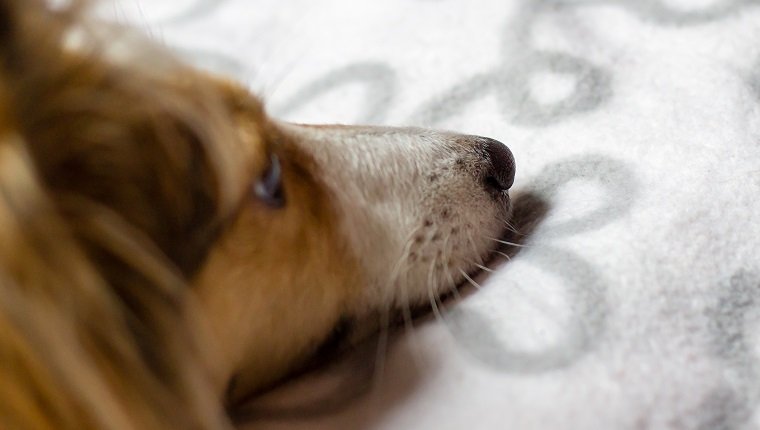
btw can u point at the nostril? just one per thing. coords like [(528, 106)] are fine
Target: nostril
[(500, 174)]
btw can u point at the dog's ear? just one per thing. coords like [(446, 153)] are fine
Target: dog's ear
[(92, 329), (9, 13)]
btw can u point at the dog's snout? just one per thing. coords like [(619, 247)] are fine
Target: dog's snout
[(500, 171)]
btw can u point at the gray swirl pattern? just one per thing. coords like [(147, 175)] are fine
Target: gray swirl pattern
[(654, 142)]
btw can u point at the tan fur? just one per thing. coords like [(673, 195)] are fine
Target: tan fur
[(274, 262), (93, 327)]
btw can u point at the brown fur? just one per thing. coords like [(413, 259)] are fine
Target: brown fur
[(150, 275), (118, 190)]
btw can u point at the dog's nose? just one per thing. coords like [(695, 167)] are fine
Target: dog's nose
[(500, 173)]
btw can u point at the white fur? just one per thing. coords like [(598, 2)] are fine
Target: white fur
[(412, 205)]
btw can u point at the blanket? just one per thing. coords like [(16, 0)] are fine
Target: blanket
[(635, 301)]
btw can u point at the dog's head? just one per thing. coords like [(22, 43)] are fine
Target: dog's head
[(162, 234), (342, 223)]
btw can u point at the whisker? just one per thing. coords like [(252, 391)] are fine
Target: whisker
[(505, 242), (510, 226), (406, 314), (504, 255), (511, 229), (431, 292), (394, 281), (404, 254), (474, 248), (481, 267), (472, 281), (382, 346), (396, 271), (452, 285), (406, 310)]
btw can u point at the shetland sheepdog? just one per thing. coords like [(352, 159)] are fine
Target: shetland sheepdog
[(167, 247)]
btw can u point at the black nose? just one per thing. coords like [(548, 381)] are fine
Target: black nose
[(500, 173)]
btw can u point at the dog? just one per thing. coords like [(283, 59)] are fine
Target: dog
[(167, 247)]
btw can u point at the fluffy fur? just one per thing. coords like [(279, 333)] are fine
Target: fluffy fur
[(142, 279)]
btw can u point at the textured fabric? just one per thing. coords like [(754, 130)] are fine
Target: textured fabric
[(636, 301)]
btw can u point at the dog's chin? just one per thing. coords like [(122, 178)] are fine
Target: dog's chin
[(502, 248), (354, 329)]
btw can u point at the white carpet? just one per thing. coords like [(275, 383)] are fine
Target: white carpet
[(636, 303)]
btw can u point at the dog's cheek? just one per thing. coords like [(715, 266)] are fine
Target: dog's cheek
[(277, 283)]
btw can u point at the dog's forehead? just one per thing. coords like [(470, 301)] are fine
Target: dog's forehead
[(126, 48)]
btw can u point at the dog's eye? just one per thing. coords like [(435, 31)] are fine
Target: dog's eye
[(268, 188)]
